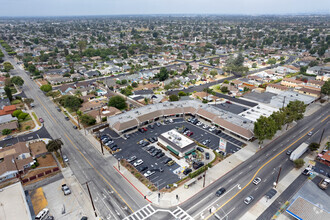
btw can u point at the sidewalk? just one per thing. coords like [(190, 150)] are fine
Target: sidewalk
[(79, 193)]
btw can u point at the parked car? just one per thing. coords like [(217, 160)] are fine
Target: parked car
[(167, 160), (199, 123), (187, 171), (67, 118), (310, 133), (66, 190), (160, 155), (131, 159), (158, 124), (205, 126), (151, 148), (126, 136), (306, 172), (172, 162), (143, 168), (8, 137), (207, 156), (41, 120), (197, 165), (256, 181), (220, 192), (248, 200), (42, 214), (148, 173), (58, 109), (138, 163), (75, 127), (145, 129), (190, 133), (65, 158), (200, 149), (141, 130)]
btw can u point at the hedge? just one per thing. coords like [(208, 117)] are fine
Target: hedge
[(198, 172)]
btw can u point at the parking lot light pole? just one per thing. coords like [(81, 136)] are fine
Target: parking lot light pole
[(118, 164), (204, 178)]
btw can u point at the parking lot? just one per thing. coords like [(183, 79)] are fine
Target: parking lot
[(131, 147)]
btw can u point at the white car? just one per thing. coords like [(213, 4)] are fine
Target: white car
[(138, 163), (205, 126), (148, 173), (65, 158), (310, 133), (199, 123), (256, 181), (42, 214), (248, 200), (170, 120)]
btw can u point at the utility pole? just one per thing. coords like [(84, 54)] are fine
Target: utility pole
[(78, 120), (204, 179), (321, 136), (90, 196), (99, 131), (118, 164), (278, 176)]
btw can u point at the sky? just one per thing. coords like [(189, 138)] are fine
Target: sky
[(124, 7)]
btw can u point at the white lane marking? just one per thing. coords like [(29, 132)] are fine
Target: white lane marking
[(210, 196)]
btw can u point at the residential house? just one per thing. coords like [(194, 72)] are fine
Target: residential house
[(9, 109), (276, 88), (13, 126), (318, 70), (292, 83), (104, 111), (4, 102), (91, 105), (324, 77), (13, 160), (4, 119), (92, 73)]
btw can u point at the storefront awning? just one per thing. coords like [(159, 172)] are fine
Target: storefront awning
[(172, 150), (189, 152)]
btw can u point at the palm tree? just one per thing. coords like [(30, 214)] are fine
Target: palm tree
[(54, 146), (78, 93)]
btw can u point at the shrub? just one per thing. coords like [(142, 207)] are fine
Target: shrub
[(198, 172), (6, 131), (46, 88), (299, 163), (27, 127), (16, 113), (23, 115)]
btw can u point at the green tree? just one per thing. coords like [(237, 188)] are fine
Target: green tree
[(23, 116), (163, 74), (6, 131), (16, 113), (71, 102), (313, 146), (254, 65), (17, 80), (213, 73), (87, 120), (298, 163), (174, 98), (271, 61), (81, 45), (182, 93), (7, 66), (224, 89), (226, 82), (46, 88), (295, 110), (117, 102), (53, 94), (325, 89), (8, 93), (264, 128), (135, 84), (279, 118), (28, 101), (55, 146)]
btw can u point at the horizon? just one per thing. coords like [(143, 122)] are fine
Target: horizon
[(68, 8)]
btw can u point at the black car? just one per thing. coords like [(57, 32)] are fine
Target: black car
[(207, 156), (167, 160), (145, 144), (220, 192), (160, 155), (218, 131), (151, 126), (197, 165), (187, 171), (151, 140), (151, 148), (67, 118), (157, 151), (141, 130), (141, 169), (200, 149), (306, 172), (113, 146), (155, 138), (126, 136), (159, 169), (288, 152)]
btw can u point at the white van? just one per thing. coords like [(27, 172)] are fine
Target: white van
[(42, 214)]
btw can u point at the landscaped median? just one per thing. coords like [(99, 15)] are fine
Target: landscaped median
[(36, 118)]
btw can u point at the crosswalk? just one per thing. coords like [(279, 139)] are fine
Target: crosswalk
[(148, 211), (142, 213), (179, 213)]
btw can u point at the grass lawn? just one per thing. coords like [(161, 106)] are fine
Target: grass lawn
[(36, 118)]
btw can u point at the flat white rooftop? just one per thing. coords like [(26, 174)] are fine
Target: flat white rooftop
[(177, 138), (13, 203)]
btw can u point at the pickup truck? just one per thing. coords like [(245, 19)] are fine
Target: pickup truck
[(66, 190)]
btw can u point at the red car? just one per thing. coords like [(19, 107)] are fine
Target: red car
[(190, 133), (41, 120), (229, 102), (145, 129)]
